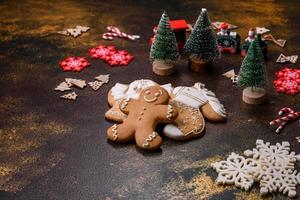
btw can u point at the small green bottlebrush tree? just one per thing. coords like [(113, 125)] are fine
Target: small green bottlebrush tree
[(164, 47), (202, 42), (253, 70)]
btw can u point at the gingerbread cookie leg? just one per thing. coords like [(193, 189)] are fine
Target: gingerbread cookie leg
[(121, 132), (146, 138)]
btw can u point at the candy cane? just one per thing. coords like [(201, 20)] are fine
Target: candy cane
[(287, 110), (282, 121), (115, 32)]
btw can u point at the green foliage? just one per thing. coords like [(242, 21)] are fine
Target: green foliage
[(253, 69), (202, 41), (164, 46)]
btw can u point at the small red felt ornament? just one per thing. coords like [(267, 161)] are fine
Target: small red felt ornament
[(119, 58), (111, 55), (101, 52), (288, 81), (75, 64)]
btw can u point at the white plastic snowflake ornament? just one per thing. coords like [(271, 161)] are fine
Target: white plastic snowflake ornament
[(277, 167), (272, 165), (236, 170), (278, 179), (277, 155)]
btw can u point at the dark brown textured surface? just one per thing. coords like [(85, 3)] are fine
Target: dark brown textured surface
[(56, 149)]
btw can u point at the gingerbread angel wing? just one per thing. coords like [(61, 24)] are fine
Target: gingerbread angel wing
[(213, 109)]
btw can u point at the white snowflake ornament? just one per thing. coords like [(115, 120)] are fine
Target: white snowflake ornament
[(236, 170), (278, 155), (273, 166), (277, 172)]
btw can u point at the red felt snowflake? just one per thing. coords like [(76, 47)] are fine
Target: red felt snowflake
[(74, 64), (111, 55), (288, 81), (119, 58), (101, 52)]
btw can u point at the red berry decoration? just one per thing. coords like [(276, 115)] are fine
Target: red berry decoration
[(119, 58), (288, 81), (75, 64), (101, 52)]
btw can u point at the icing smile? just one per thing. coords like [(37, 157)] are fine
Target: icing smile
[(156, 95)]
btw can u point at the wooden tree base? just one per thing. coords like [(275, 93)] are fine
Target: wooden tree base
[(199, 65), (163, 69), (254, 95)]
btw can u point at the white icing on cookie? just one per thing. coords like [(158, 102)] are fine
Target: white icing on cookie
[(115, 132), (169, 112), (189, 96), (212, 99), (136, 87), (168, 87), (124, 104), (118, 91), (173, 132), (153, 99), (149, 139)]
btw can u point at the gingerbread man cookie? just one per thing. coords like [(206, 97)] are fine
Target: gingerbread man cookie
[(191, 103), (143, 115), (122, 91)]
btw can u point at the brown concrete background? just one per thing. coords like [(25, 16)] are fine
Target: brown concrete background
[(56, 149)]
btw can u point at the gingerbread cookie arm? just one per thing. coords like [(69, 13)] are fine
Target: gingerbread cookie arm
[(166, 113), (127, 104), (121, 132)]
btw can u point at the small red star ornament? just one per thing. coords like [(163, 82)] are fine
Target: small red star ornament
[(288, 81), (75, 64)]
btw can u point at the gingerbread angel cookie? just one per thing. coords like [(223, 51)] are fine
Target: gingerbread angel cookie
[(123, 91), (143, 115), (190, 101)]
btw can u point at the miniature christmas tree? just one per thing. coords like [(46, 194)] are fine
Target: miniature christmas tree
[(253, 69), (252, 74), (164, 47), (202, 42)]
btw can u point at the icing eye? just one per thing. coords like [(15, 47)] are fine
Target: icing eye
[(157, 94), (147, 92)]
